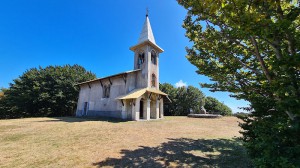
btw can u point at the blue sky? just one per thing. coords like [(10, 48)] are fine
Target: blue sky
[(95, 34)]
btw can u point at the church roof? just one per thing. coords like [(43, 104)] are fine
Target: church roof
[(146, 33), (111, 76), (147, 42), (147, 37)]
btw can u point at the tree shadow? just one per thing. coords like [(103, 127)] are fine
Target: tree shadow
[(184, 152), (83, 119)]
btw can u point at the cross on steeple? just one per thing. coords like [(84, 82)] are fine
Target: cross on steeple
[(146, 35), (147, 12)]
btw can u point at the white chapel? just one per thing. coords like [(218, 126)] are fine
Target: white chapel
[(131, 95)]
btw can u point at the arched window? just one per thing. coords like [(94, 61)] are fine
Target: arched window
[(153, 57), (141, 59), (106, 91), (153, 81)]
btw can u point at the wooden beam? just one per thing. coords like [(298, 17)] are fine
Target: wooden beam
[(150, 95), (122, 102), (159, 97), (125, 78), (101, 83), (110, 81)]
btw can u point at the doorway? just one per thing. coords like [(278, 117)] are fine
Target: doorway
[(141, 109), (85, 108)]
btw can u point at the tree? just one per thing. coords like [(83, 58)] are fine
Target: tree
[(195, 98), (49, 91), (169, 107), (251, 48), (2, 104), (212, 105), (184, 100)]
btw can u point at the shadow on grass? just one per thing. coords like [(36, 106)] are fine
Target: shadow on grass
[(83, 119), (184, 152)]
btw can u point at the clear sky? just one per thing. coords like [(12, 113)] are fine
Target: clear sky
[(95, 34)]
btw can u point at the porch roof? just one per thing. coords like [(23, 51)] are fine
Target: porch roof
[(136, 93)]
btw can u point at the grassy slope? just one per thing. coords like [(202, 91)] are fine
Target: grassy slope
[(73, 142)]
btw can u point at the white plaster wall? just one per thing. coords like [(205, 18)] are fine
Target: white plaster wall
[(147, 68), (152, 109), (108, 104), (83, 96), (128, 109), (130, 82), (153, 68), (142, 76), (94, 95)]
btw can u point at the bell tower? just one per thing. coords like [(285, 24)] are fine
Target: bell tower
[(146, 56)]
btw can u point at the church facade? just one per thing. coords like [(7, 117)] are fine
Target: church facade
[(131, 95)]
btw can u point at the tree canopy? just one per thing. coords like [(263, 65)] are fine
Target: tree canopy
[(184, 99), (49, 91), (190, 99), (251, 48), (212, 105)]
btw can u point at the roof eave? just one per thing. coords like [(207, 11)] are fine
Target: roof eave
[(160, 50), (111, 76)]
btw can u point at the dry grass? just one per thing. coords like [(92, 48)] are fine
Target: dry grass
[(75, 142)]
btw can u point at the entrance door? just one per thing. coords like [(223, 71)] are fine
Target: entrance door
[(141, 109), (85, 108)]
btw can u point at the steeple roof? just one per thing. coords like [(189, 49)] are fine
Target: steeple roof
[(146, 37), (146, 33)]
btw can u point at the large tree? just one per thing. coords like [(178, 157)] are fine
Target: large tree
[(49, 91), (212, 105), (190, 99), (170, 108), (251, 48)]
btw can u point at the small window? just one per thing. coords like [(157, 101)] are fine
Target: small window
[(106, 91), (153, 57), (141, 59), (153, 81)]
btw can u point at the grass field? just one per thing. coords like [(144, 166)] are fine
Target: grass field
[(76, 142)]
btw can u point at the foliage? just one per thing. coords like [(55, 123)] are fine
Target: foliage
[(251, 48), (241, 114), (212, 105), (49, 91), (2, 103), (169, 107), (189, 99), (184, 99)]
